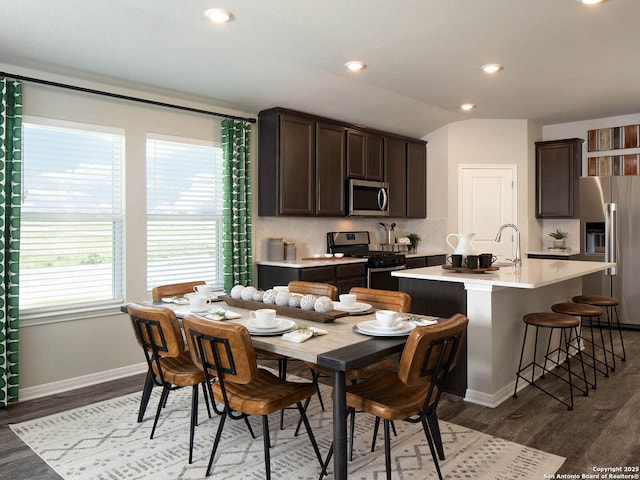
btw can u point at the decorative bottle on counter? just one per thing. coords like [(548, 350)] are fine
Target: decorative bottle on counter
[(276, 249), (289, 251)]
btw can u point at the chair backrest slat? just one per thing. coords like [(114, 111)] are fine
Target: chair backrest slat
[(314, 288), (383, 299), (157, 329), (174, 289), (222, 349), (158, 333)]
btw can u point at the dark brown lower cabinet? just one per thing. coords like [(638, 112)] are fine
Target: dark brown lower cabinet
[(343, 276)]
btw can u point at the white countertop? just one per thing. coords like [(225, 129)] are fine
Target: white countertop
[(559, 253), (424, 254), (533, 273), (323, 262), (320, 262)]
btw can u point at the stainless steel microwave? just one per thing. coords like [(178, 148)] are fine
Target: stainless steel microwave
[(368, 198)]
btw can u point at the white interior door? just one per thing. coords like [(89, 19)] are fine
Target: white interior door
[(487, 200)]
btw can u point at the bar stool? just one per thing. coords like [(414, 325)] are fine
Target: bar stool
[(591, 313), (567, 325), (609, 305)]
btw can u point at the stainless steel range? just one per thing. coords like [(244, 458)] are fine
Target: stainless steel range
[(380, 263)]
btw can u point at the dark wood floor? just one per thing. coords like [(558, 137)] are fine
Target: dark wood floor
[(602, 431)]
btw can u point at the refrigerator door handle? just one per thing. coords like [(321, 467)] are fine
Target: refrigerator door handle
[(611, 228)]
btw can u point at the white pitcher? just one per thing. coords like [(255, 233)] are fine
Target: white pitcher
[(464, 245)]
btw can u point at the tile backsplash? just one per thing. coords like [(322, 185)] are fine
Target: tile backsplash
[(309, 234), (572, 227)]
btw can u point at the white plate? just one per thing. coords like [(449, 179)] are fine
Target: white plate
[(376, 325), (282, 325), (368, 328), (256, 326), (357, 307)]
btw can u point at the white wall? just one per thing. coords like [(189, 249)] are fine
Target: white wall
[(483, 142)]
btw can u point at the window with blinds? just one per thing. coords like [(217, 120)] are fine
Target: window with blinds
[(184, 211), (71, 248)]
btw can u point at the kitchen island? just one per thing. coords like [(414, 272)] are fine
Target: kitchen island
[(495, 302)]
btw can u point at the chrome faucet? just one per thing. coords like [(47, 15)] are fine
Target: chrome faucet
[(518, 259)]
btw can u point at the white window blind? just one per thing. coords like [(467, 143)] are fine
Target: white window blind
[(71, 249), (184, 211)]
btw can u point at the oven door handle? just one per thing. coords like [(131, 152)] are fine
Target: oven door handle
[(387, 269)]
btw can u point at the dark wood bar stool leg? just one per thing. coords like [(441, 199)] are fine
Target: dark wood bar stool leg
[(610, 306), (552, 321), (589, 313)]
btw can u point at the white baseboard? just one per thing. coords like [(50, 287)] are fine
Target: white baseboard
[(65, 385), (492, 400)]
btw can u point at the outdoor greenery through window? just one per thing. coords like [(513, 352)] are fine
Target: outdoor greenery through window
[(72, 215), (184, 211)]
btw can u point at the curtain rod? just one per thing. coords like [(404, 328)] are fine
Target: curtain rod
[(124, 97)]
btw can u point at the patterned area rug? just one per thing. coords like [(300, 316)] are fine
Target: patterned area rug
[(103, 441)]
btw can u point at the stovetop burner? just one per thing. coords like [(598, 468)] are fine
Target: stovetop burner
[(356, 244)]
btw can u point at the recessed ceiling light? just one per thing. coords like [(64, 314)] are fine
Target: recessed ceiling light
[(355, 65), (590, 2), (219, 15), (467, 106), (491, 68)]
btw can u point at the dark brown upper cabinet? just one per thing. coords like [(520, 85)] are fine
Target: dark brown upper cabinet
[(287, 164), (301, 166), (304, 161), (395, 174), (330, 168), (364, 155), (416, 180), (558, 168)]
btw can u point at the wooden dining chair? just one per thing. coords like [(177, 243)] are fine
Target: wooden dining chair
[(174, 289), (314, 288), (158, 333), (224, 353), (383, 299), (412, 394), (157, 294)]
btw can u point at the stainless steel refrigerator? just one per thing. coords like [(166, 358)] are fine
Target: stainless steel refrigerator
[(610, 231)]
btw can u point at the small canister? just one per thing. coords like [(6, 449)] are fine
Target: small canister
[(276, 249), (289, 251)]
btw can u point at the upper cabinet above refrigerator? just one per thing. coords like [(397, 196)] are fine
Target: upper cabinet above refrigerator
[(558, 168)]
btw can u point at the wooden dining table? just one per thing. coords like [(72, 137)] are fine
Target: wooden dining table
[(340, 350)]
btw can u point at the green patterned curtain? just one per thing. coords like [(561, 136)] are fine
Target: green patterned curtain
[(236, 239), (10, 192)]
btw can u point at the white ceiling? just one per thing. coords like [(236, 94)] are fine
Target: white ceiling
[(563, 61)]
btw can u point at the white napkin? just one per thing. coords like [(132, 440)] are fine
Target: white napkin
[(228, 315), (299, 336), (176, 300), (420, 322)]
